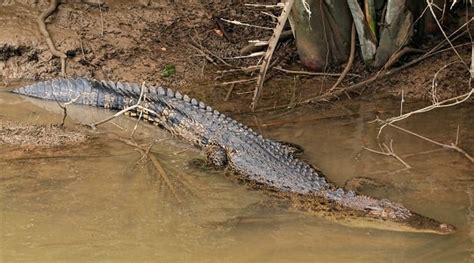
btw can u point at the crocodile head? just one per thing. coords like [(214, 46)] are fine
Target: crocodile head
[(387, 215), (415, 223), (361, 211)]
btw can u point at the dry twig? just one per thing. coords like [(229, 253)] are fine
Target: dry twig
[(388, 151), (430, 6), (135, 106), (452, 146)]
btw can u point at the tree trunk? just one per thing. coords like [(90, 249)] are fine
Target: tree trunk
[(323, 34)]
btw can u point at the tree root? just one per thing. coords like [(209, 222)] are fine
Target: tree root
[(351, 59), (44, 31)]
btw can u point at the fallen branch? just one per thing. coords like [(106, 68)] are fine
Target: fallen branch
[(49, 41), (272, 43)]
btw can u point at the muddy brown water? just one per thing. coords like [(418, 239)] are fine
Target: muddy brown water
[(98, 202)]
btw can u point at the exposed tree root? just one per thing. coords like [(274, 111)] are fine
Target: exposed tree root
[(397, 55), (44, 31), (349, 62)]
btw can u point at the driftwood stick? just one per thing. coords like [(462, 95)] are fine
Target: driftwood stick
[(49, 41)]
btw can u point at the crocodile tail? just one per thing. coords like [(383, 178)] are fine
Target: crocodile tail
[(103, 94)]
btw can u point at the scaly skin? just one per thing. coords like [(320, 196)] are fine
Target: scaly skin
[(261, 161)]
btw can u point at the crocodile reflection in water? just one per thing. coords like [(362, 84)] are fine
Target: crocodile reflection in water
[(263, 162)]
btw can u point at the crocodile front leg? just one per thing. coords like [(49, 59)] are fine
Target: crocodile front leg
[(216, 156)]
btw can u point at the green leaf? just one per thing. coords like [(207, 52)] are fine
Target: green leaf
[(168, 70)]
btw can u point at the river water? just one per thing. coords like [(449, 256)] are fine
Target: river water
[(100, 202)]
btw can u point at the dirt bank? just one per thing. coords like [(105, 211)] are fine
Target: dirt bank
[(183, 45)]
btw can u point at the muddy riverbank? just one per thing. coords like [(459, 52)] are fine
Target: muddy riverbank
[(164, 44)]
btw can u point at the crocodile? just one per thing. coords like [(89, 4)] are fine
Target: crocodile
[(262, 162)]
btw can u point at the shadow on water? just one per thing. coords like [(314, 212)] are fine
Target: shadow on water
[(98, 201)]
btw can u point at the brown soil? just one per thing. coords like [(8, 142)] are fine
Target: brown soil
[(134, 41)]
